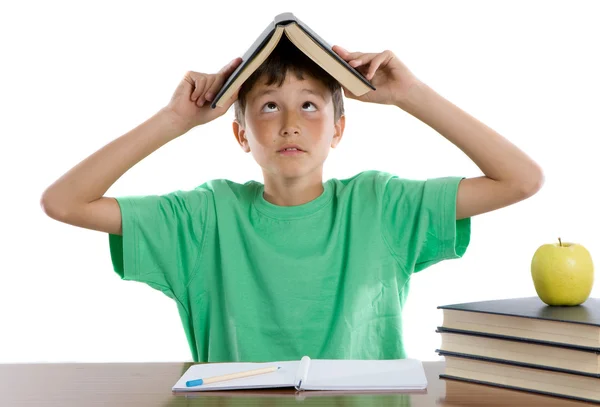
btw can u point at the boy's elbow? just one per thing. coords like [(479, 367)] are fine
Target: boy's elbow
[(533, 183), (52, 207)]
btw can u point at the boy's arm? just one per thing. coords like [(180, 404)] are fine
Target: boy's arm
[(77, 197), (510, 175)]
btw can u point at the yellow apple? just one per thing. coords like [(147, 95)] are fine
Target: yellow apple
[(563, 273)]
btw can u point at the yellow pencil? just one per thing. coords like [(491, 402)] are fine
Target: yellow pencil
[(231, 376)]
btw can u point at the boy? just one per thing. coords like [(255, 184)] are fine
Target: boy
[(295, 266)]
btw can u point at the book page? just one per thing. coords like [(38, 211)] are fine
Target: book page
[(283, 377), (401, 374)]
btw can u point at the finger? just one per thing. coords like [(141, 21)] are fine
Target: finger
[(230, 67), (340, 50), (381, 59), (207, 84), (219, 80), (362, 59), (212, 88), (186, 86), (197, 83), (361, 65), (375, 64), (346, 55), (221, 77)]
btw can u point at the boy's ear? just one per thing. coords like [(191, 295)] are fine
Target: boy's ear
[(338, 131), (240, 135)]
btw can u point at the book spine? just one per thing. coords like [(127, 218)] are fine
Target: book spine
[(302, 373)]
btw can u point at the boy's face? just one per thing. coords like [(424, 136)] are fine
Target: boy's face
[(299, 112)]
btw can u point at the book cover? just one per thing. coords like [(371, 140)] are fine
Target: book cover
[(516, 363), (596, 350), (521, 387), (467, 393), (263, 39), (587, 313)]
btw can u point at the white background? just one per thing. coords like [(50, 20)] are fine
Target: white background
[(76, 75)]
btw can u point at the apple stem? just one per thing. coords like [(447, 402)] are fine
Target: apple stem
[(559, 242)]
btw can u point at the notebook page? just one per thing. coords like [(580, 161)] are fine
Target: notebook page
[(401, 374), (283, 377)]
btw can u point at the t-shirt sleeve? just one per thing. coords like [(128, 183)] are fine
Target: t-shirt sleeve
[(161, 241), (419, 221)]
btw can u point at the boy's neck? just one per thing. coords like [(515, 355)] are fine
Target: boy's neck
[(286, 192)]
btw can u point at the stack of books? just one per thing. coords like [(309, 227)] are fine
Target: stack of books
[(524, 344)]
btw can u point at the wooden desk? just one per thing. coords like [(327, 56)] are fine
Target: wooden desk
[(149, 385)]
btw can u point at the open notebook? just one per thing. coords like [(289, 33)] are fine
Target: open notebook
[(313, 374)]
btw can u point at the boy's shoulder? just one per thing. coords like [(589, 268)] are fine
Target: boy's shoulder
[(376, 181), (366, 176), (222, 187)]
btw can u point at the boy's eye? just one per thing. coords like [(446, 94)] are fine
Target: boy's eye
[(309, 103), (273, 105), (270, 105)]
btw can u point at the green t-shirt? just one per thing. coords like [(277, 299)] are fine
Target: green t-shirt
[(258, 282)]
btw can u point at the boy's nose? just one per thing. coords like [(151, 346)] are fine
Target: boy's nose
[(290, 125), (290, 131)]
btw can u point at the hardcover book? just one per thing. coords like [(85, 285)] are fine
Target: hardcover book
[(308, 42)]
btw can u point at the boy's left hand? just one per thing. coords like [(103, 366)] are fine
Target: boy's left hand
[(390, 77)]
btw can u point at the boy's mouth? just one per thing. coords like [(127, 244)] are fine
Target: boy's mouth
[(291, 149)]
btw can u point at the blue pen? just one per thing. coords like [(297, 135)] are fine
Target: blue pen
[(214, 379)]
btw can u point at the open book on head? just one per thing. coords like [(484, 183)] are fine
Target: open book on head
[(308, 42), (306, 374)]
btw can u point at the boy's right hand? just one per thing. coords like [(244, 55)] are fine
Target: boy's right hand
[(190, 103)]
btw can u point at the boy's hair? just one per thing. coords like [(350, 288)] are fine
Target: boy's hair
[(286, 57)]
